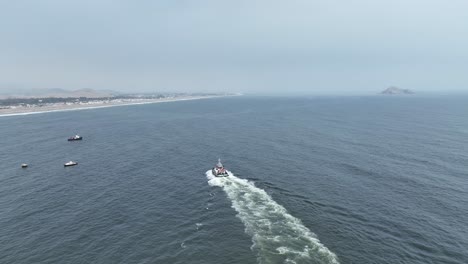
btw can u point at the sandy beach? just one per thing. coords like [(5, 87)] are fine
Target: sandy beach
[(59, 107)]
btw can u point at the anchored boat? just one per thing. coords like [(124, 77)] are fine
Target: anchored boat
[(75, 137), (219, 170), (70, 163)]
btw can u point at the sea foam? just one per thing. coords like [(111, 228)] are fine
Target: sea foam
[(277, 236)]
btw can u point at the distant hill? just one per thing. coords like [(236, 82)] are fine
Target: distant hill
[(57, 93), (396, 90)]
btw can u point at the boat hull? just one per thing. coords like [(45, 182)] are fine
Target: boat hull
[(75, 139), (69, 165), (216, 174)]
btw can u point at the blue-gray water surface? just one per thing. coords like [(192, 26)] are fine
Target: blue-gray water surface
[(315, 180)]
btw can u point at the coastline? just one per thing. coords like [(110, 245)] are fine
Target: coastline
[(60, 107)]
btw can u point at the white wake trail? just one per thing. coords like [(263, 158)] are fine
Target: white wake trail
[(277, 236)]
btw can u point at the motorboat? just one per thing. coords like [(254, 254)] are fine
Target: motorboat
[(75, 137), (24, 165), (219, 170), (70, 163)]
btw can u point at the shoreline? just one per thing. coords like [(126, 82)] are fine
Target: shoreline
[(64, 108)]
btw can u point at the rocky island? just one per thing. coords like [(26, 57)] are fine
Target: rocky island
[(396, 90)]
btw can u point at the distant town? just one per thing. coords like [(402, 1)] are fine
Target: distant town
[(46, 101), (62, 99)]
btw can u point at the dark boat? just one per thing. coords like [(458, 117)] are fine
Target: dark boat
[(24, 165), (219, 170), (75, 137), (70, 163)]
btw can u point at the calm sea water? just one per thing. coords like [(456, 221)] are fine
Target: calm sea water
[(316, 180)]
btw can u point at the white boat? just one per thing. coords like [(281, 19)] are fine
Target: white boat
[(219, 170), (24, 165), (70, 163), (75, 137)]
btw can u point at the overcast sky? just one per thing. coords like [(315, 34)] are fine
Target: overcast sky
[(252, 46)]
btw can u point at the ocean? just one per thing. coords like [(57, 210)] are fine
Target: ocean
[(372, 179)]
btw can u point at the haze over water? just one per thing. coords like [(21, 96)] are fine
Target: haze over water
[(315, 180), (263, 46)]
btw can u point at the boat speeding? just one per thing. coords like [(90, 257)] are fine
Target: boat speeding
[(219, 170)]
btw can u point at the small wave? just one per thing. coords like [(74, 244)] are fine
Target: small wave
[(277, 236)]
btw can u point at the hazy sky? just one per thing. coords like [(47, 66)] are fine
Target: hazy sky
[(328, 46)]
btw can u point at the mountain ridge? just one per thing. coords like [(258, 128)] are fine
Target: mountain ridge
[(58, 93)]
